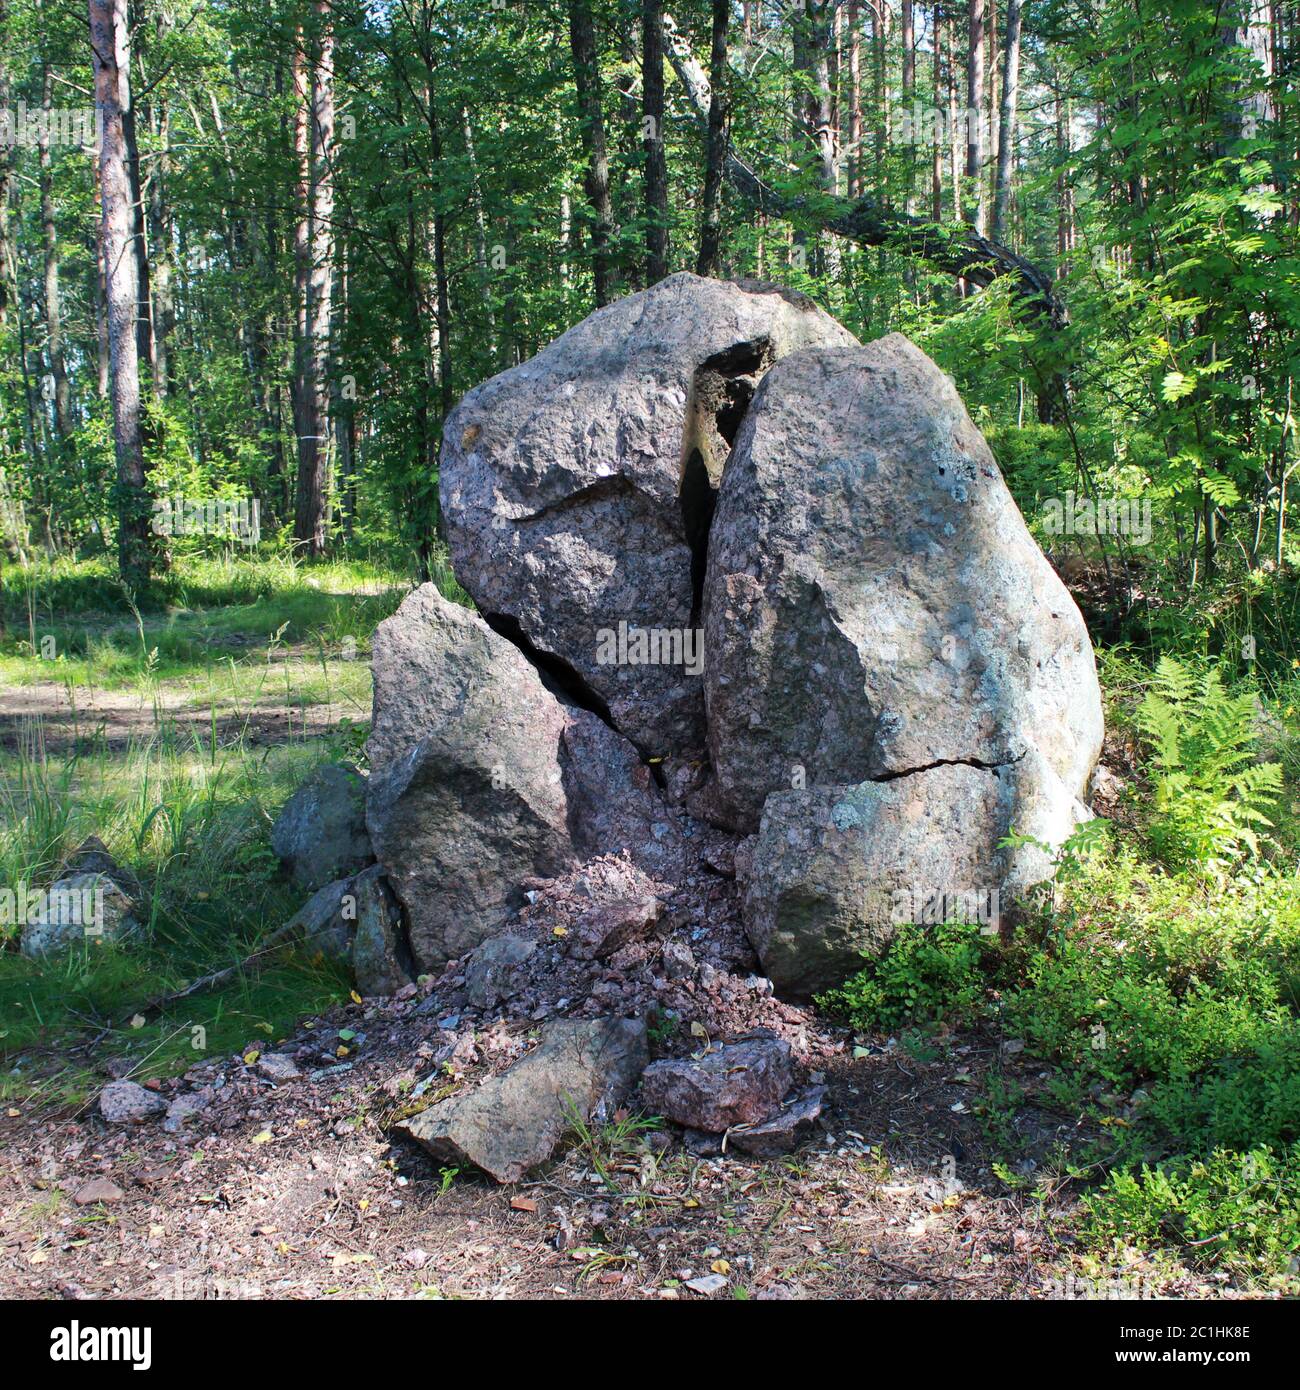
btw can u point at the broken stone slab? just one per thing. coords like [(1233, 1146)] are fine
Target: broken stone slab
[(874, 603), (577, 487), (381, 963), (278, 1066), (325, 922), (835, 870), (98, 1190), (583, 1068), (728, 1084), (495, 973), (128, 1103), (466, 792), (85, 909), (483, 777), (782, 1132), (321, 835)]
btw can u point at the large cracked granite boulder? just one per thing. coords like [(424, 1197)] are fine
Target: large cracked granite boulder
[(582, 1070), (577, 487), (874, 604), (896, 678), (481, 777)]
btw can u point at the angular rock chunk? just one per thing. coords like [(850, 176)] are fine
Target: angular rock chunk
[(739, 1083), (834, 870), (482, 777), (874, 603), (783, 1132), (326, 921), (495, 970), (321, 835), (466, 792), (381, 963), (82, 909), (514, 1122), (128, 1103), (596, 461)]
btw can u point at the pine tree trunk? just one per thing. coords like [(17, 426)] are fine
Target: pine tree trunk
[(586, 77), (109, 38), (974, 110), (715, 143), (1007, 120), (53, 312)]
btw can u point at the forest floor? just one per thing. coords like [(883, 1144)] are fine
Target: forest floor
[(299, 1190)]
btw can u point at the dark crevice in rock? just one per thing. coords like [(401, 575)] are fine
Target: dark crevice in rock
[(721, 391), (564, 681), (945, 762), (697, 500)]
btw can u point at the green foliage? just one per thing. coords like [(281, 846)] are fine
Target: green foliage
[(1239, 1211), (1210, 796), (927, 972)]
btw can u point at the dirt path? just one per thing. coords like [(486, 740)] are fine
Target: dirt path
[(296, 1190), (70, 720)]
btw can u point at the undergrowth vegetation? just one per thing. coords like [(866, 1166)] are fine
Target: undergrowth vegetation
[(1162, 982)]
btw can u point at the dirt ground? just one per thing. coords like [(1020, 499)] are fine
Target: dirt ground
[(298, 1190)]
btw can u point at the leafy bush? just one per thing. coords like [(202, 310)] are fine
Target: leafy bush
[(1237, 1210), (927, 973)]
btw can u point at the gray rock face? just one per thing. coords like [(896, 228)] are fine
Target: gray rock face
[(577, 487), (80, 910), (834, 870), (326, 921), (739, 1083), (320, 835), (514, 1122), (481, 777), (128, 1103), (874, 603), (466, 790), (381, 963)]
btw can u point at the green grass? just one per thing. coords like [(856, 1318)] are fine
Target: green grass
[(187, 805)]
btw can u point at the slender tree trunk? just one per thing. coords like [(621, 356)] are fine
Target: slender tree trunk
[(936, 151), (109, 38), (652, 122), (855, 100), (160, 235), (1007, 121), (715, 143), (974, 111), (314, 267), (956, 129), (586, 78), (53, 312), (908, 39)]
